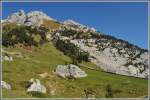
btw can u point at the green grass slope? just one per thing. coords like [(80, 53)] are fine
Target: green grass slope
[(45, 58), (51, 24)]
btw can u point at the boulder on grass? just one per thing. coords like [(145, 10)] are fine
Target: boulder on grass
[(36, 86), (7, 58), (5, 85), (70, 71)]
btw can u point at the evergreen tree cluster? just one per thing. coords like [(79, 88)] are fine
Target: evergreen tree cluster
[(13, 34), (72, 50)]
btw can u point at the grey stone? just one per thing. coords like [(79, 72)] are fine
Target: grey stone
[(70, 70), (36, 86), (7, 58), (5, 85), (18, 17)]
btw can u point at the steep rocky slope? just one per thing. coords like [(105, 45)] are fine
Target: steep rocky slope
[(111, 54)]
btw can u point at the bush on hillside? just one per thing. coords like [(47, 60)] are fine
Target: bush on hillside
[(109, 91)]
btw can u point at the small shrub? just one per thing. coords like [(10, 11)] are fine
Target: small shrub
[(89, 92), (117, 91), (25, 84), (109, 91)]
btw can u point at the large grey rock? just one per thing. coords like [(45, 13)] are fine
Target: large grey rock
[(7, 58), (5, 85), (70, 70), (36, 86)]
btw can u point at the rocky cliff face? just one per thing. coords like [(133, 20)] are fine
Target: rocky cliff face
[(116, 58), (32, 18), (111, 54)]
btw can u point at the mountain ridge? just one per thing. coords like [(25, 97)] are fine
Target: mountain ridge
[(68, 21)]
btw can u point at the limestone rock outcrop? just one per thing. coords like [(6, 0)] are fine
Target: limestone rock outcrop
[(32, 18), (18, 17), (7, 58), (36, 18), (70, 71), (36, 86), (71, 24), (5, 85)]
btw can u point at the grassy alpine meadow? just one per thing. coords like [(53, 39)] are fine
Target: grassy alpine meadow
[(42, 60)]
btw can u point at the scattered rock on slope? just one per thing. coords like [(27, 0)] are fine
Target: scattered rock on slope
[(5, 85), (36, 86), (7, 58), (70, 71)]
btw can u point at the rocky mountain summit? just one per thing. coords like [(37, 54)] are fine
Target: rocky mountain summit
[(71, 24), (31, 18)]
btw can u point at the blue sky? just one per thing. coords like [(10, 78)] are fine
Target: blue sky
[(127, 21)]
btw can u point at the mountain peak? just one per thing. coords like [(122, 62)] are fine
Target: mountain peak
[(71, 22), (77, 26), (31, 18), (40, 14), (21, 11)]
